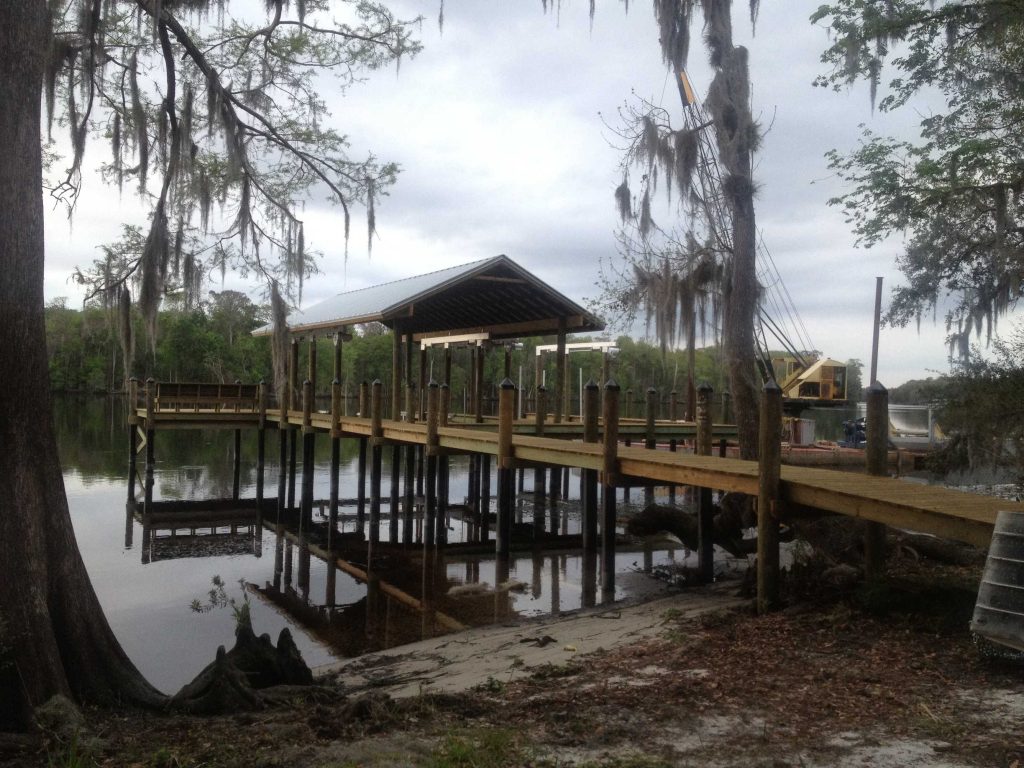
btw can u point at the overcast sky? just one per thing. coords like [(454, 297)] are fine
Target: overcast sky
[(497, 126)]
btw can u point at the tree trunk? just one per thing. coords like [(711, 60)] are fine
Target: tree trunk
[(54, 637)]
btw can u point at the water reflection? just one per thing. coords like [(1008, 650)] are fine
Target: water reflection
[(345, 596)]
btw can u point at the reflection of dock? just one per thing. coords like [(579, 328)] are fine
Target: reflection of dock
[(173, 530)]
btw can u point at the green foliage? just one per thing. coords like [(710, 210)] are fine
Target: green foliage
[(218, 597), (983, 413), (71, 755), (954, 194)]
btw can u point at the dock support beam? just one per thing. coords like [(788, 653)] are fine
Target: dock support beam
[(506, 479), (308, 446), (705, 512), (434, 525), (332, 524), (877, 455), (609, 470), (768, 503), (591, 403), (650, 437), (261, 445), (150, 449), (376, 449)]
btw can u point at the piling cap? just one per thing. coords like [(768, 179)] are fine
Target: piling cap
[(612, 385), (705, 386), (507, 383), (432, 384), (877, 388), (445, 385), (336, 382), (150, 380), (376, 382), (772, 387), (542, 388), (307, 381), (652, 391), (238, 381), (263, 382), (591, 384)]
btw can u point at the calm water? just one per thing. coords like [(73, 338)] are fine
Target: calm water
[(146, 583)]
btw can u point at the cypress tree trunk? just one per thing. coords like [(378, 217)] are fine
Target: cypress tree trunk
[(54, 637)]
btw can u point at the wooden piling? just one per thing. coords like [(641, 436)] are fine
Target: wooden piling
[(376, 449), (335, 450), (506, 489), (705, 512), (478, 385), (294, 394), (591, 403), (396, 471), (672, 401), (308, 447), (396, 371), (133, 435), (768, 501), (433, 522), (409, 499), (485, 497), (561, 372), (261, 443), (236, 466), (876, 456), (150, 448), (539, 478), (609, 471), (650, 438)]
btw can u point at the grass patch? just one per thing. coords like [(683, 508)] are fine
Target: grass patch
[(483, 748)]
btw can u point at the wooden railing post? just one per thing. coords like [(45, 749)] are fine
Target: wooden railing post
[(539, 474), (261, 441), (768, 503), (672, 402), (150, 438), (444, 408), (650, 436), (877, 460), (410, 403), (445, 405), (705, 512), (506, 479), (609, 471), (133, 435), (627, 410)]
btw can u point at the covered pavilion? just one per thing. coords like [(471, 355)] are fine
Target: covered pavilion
[(474, 304)]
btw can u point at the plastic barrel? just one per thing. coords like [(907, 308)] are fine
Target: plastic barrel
[(999, 610)]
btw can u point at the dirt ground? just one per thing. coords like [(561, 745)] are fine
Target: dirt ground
[(852, 675)]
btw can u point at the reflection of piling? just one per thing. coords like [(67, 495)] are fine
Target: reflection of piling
[(876, 457), (608, 476), (705, 512), (396, 472), (768, 503), (282, 471), (485, 497), (376, 449), (409, 499), (591, 402)]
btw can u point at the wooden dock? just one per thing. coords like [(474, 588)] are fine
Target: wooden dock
[(595, 447)]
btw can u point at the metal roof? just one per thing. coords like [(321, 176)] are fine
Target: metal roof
[(495, 295)]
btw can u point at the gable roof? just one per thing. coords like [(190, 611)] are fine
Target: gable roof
[(493, 295)]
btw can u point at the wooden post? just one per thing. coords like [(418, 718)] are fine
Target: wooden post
[(236, 468), (447, 366), (506, 418), (609, 470), (311, 363), (539, 478), (591, 403), (294, 394), (409, 499), (538, 378), (705, 512), (396, 371), (433, 526), (561, 372), (150, 450), (338, 342), (308, 446), (650, 436), (877, 458), (133, 436), (261, 443), (768, 502), (335, 453), (484, 506), (396, 471), (376, 448), (627, 410), (422, 391), (672, 400), (478, 385)]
